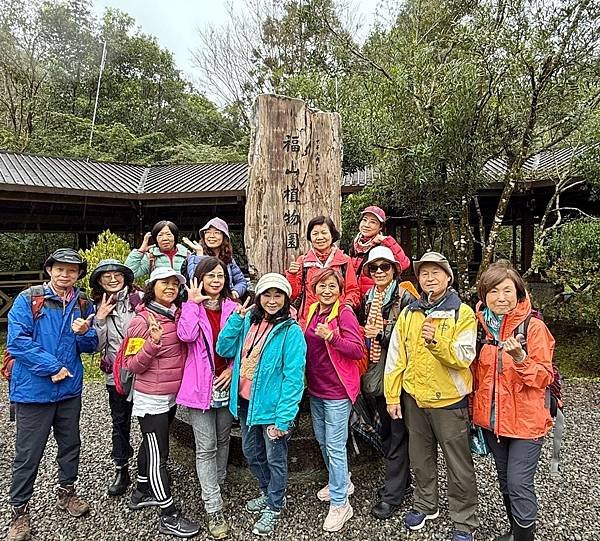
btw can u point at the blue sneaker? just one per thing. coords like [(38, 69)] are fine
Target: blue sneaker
[(462, 536), (415, 520)]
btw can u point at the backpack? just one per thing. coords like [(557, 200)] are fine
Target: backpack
[(298, 304), (37, 299)]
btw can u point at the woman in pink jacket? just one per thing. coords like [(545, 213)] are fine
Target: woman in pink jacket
[(156, 356), (334, 347), (206, 380), (370, 235)]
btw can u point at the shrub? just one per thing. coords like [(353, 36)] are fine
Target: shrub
[(108, 246)]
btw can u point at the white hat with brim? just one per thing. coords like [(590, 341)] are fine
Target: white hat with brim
[(437, 259), (381, 252), (165, 272), (273, 279)]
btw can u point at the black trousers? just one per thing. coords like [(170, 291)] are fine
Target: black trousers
[(120, 412), (395, 446), (516, 464), (153, 456), (34, 422)]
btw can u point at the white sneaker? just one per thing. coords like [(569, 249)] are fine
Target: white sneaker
[(325, 496), (337, 517)]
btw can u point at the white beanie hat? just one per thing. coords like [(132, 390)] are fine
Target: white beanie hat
[(273, 279)]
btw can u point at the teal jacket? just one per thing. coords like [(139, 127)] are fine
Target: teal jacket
[(140, 264), (278, 381)]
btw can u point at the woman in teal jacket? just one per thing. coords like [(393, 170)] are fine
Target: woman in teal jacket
[(266, 387)]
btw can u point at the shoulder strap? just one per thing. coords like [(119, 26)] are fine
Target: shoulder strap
[(522, 329), (37, 300)]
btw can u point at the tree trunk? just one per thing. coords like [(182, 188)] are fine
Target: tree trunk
[(295, 174)]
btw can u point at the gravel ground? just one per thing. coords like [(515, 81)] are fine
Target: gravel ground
[(569, 506)]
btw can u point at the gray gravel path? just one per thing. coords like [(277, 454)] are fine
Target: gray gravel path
[(570, 506)]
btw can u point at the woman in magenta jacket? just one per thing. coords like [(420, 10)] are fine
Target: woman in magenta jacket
[(334, 347), (206, 381), (156, 356)]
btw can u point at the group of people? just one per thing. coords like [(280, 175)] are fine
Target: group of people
[(335, 326)]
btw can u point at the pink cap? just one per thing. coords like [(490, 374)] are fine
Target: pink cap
[(377, 211), (217, 223)]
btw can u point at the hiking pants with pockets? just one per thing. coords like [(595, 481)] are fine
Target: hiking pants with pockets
[(516, 464), (450, 428), (34, 422)]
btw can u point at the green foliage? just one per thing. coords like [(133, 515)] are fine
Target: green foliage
[(577, 351), (572, 260), (49, 62), (108, 246), (28, 251)]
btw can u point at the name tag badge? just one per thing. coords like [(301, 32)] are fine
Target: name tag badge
[(442, 314), (134, 345)]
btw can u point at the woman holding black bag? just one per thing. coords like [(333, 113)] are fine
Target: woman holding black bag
[(378, 313)]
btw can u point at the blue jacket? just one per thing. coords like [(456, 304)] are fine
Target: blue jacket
[(278, 380), (42, 347), (237, 280)]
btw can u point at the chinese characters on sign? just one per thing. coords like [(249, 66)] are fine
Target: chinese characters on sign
[(291, 196)]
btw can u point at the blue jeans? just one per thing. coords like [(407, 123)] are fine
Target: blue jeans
[(267, 458), (330, 424)]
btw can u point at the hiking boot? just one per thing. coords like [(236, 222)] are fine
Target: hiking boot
[(523, 534), (257, 505), (20, 524), (217, 527), (177, 525), (325, 496), (383, 510), (267, 522), (338, 516), (140, 499), (415, 520), (71, 503), (121, 482), (463, 536)]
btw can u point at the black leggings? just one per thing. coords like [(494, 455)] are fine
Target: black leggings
[(153, 455)]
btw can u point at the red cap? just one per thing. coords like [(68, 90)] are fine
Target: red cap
[(377, 211)]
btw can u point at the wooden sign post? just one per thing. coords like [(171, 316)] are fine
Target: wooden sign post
[(295, 174)]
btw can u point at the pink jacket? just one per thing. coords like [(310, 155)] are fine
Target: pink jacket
[(158, 367), (196, 385), (346, 347)]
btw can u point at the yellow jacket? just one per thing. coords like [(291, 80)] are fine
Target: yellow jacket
[(436, 375)]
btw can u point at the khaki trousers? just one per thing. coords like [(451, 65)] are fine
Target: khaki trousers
[(428, 427)]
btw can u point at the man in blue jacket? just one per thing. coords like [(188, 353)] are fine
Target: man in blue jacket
[(46, 383)]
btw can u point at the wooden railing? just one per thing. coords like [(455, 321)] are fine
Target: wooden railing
[(11, 284)]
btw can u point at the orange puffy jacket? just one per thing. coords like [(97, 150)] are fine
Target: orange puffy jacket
[(519, 391)]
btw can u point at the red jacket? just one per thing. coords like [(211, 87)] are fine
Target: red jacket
[(519, 392), (310, 267), (158, 368), (359, 260)]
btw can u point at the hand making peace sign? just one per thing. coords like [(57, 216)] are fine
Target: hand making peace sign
[(155, 328)]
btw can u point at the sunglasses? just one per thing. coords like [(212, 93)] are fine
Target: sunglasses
[(384, 267)]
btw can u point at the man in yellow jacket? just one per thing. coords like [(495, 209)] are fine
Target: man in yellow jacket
[(427, 382)]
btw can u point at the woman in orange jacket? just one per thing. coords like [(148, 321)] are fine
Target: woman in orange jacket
[(511, 373)]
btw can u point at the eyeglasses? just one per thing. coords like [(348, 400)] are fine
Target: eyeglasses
[(384, 267), (215, 276), (111, 275)]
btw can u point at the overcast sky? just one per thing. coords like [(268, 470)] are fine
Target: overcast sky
[(174, 22)]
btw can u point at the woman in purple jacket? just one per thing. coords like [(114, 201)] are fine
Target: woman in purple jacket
[(206, 380), (334, 347), (156, 357)]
